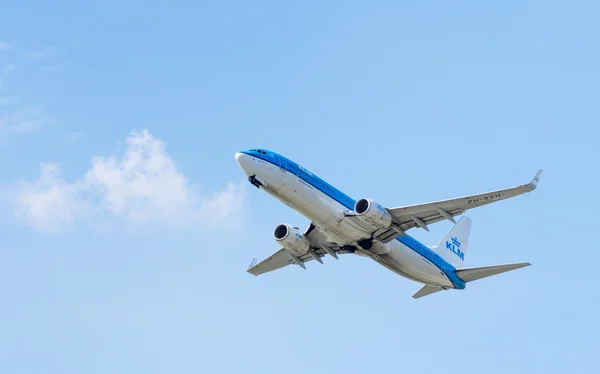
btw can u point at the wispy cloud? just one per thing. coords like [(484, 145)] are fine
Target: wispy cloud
[(17, 117), (142, 185), (22, 121), (5, 46)]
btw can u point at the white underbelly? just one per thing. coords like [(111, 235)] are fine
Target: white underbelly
[(414, 266), (327, 214), (320, 209)]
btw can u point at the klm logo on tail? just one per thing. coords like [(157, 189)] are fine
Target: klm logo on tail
[(454, 246)]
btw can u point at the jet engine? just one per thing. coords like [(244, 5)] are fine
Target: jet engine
[(372, 213), (291, 238)]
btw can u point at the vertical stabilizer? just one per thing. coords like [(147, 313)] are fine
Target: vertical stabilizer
[(453, 247)]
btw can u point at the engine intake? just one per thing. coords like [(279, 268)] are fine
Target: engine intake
[(291, 238), (369, 211)]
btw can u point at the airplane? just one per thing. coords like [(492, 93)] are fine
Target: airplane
[(340, 225)]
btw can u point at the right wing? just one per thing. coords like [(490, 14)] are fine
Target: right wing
[(319, 248), (420, 215)]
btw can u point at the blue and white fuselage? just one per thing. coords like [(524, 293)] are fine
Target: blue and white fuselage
[(328, 209)]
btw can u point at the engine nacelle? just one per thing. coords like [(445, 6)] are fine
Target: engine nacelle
[(372, 213), (291, 238)]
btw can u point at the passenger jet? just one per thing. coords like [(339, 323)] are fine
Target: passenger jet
[(341, 225)]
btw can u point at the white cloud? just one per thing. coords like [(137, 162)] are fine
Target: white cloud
[(142, 185), (50, 204), (5, 46)]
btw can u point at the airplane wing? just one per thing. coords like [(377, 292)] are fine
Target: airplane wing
[(319, 248), (420, 215)]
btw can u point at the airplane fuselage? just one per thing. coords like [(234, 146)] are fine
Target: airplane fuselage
[(325, 207)]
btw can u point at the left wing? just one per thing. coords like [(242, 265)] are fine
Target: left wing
[(421, 215), (319, 248)]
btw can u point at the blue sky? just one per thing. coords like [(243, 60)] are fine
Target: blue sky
[(127, 226)]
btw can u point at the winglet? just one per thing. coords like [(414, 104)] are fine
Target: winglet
[(534, 182)]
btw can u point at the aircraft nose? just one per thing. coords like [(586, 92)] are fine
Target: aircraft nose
[(243, 160)]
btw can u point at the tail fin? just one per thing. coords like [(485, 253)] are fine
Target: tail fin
[(453, 247)]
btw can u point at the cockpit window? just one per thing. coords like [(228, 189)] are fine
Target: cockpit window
[(260, 151)]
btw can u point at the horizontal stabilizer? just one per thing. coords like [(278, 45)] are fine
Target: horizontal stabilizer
[(427, 290), (473, 274)]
